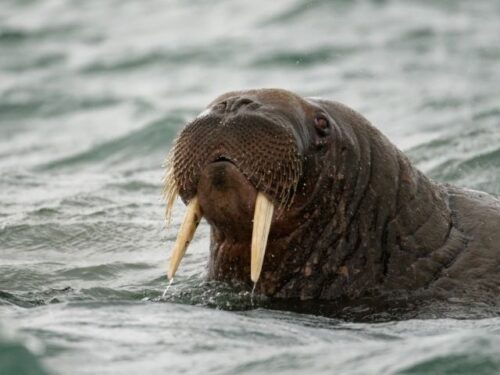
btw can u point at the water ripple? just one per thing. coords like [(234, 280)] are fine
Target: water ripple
[(145, 141)]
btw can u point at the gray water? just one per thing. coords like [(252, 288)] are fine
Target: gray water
[(92, 94)]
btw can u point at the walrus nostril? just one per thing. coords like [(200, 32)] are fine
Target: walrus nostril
[(221, 106), (238, 103)]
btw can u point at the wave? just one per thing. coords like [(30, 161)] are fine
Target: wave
[(301, 9), (221, 52), (16, 35), (464, 157), (41, 102), (149, 141), (99, 235), (302, 59)]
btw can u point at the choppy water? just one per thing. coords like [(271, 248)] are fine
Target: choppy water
[(91, 95)]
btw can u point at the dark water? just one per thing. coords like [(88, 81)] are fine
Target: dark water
[(93, 92)]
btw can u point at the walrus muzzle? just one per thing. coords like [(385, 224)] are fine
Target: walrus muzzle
[(243, 140)]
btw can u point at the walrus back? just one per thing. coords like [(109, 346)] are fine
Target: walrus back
[(477, 269)]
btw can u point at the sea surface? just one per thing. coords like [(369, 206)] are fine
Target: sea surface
[(93, 92)]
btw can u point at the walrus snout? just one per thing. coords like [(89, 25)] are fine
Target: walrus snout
[(262, 148)]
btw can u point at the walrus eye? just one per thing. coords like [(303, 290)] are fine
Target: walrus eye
[(322, 125)]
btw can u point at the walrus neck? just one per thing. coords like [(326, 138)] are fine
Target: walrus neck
[(390, 219), (378, 235)]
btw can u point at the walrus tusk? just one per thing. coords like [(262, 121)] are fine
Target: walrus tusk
[(186, 233), (261, 225)]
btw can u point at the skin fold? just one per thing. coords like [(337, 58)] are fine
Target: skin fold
[(352, 216)]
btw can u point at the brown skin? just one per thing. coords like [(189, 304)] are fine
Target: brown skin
[(363, 221)]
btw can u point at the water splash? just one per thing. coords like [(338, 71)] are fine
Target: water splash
[(167, 288), (253, 294)]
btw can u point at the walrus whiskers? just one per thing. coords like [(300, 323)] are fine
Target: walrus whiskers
[(170, 191)]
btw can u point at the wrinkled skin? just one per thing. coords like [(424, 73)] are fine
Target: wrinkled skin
[(359, 218)]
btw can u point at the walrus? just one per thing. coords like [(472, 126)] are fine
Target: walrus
[(307, 200)]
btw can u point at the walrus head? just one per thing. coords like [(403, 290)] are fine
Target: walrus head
[(300, 194)]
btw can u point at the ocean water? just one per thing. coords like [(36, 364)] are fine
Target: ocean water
[(92, 94)]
